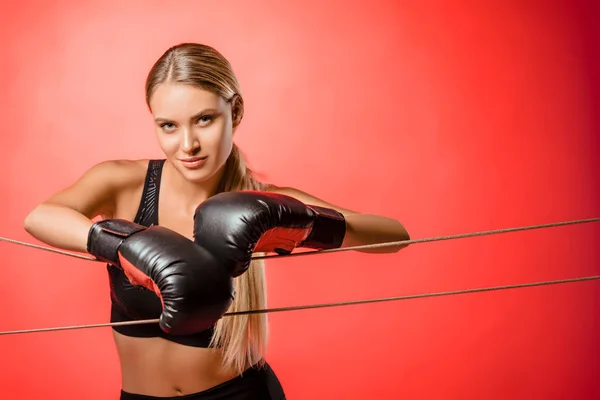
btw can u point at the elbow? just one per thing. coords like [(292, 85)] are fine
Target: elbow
[(34, 220), (29, 221), (397, 235), (402, 237)]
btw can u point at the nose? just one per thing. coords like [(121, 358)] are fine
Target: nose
[(189, 142)]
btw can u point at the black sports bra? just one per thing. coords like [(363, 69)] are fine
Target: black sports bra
[(133, 303)]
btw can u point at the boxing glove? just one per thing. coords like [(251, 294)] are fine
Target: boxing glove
[(233, 225), (194, 288)]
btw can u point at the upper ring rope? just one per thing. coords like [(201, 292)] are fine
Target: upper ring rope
[(367, 246)]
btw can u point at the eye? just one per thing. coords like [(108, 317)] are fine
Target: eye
[(167, 126), (205, 120)]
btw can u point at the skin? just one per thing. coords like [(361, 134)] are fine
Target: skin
[(189, 122)]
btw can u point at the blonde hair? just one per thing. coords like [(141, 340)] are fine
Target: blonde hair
[(242, 338)]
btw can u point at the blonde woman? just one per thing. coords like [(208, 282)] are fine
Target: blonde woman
[(196, 103)]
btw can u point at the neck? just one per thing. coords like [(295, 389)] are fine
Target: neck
[(191, 193)]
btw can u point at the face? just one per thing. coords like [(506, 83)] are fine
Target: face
[(194, 129)]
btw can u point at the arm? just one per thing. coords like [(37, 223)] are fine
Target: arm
[(64, 220), (362, 229)]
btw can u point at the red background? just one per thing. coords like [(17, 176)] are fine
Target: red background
[(449, 118)]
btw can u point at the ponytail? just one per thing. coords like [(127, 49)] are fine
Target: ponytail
[(243, 338)]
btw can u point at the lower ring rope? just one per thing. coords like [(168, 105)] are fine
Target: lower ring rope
[(367, 246), (314, 306)]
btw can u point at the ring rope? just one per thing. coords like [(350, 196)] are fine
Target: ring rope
[(325, 305), (348, 248), (336, 304)]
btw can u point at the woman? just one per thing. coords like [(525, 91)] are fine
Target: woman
[(195, 100)]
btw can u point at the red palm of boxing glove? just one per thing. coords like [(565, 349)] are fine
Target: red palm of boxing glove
[(194, 288), (233, 225)]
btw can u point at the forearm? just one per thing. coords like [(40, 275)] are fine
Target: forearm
[(59, 226), (364, 229)]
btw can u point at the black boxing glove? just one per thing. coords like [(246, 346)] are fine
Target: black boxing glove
[(194, 288), (233, 225)]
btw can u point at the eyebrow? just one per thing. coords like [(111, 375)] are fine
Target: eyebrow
[(197, 115)]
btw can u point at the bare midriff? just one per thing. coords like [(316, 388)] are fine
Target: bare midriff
[(157, 367)]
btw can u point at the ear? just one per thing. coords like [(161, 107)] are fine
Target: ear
[(237, 110)]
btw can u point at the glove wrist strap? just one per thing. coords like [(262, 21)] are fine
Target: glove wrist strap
[(328, 231), (105, 238)]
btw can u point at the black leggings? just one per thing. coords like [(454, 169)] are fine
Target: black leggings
[(257, 383)]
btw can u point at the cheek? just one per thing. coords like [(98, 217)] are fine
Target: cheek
[(168, 143), (225, 149), (226, 145), (219, 141)]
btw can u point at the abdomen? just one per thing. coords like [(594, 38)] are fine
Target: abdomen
[(156, 367)]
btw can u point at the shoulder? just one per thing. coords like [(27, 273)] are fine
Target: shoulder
[(269, 187), (102, 186), (292, 192), (118, 174), (306, 198), (127, 166)]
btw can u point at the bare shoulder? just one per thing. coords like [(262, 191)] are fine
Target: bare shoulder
[(119, 173), (100, 188), (121, 178), (306, 198)]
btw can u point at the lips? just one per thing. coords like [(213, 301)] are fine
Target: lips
[(193, 162)]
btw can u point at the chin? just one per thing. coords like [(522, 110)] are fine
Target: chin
[(198, 175)]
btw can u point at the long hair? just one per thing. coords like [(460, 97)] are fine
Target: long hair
[(241, 338)]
